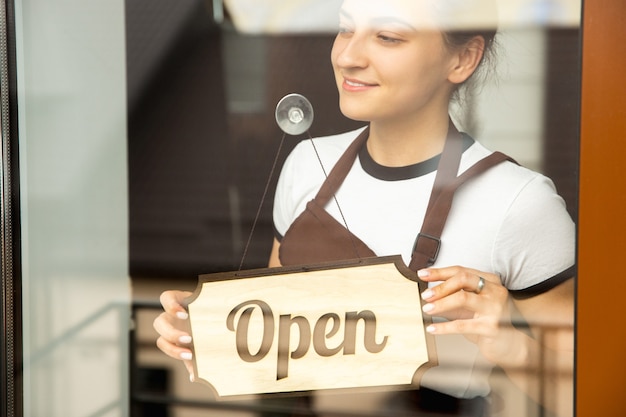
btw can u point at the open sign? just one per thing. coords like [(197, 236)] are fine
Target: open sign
[(357, 324)]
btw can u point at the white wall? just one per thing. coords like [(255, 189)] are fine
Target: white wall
[(72, 129), (321, 15), (507, 113)]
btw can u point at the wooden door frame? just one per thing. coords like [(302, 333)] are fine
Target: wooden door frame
[(601, 342)]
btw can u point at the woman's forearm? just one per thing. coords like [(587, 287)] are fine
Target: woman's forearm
[(542, 368)]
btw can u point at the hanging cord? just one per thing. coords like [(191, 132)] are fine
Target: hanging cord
[(267, 185), (343, 218), (258, 213)]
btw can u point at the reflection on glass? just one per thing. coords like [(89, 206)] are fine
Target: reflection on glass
[(74, 219), (159, 167), (515, 110)]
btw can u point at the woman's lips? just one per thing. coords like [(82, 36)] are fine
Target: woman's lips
[(356, 85)]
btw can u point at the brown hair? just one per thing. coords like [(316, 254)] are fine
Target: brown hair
[(458, 37)]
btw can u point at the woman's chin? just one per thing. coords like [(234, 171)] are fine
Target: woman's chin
[(358, 119), (359, 115)]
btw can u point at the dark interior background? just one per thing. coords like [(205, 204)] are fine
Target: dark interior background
[(202, 140), (202, 137)]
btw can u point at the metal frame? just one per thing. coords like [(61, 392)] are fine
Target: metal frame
[(10, 314)]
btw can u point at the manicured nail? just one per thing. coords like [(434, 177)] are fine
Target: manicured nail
[(431, 329), (428, 308), (423, 273), (182, 315), (186, 356), (185, 339), (427, 294)]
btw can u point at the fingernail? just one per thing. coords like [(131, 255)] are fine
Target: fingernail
[(182, 315), (428, 308), (427, 294), (192, 378), (423, 273), (431, 329), (185, 339), (186, 356)]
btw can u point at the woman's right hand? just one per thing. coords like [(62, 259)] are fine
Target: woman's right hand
[(174, 340)]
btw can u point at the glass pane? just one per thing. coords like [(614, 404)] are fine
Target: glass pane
[(72, 142), (148, 143), (203, 82)]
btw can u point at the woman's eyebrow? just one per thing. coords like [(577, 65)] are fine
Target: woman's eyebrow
[(380, 21), (391, 20)]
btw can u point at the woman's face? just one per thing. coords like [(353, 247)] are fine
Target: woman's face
[(390, 61)]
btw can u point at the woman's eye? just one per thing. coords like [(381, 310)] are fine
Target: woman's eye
[(388, 39)]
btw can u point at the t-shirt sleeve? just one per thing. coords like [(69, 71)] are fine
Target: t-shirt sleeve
[(296, 185), (302, 174), (282, 211), (535, 247)]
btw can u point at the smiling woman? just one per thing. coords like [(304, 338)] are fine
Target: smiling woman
[(503, 267), (394, 69), (199, 97)]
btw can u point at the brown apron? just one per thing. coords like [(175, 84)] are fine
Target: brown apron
[(316, 236)]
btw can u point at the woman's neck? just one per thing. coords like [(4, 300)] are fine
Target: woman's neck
[(402, 144)]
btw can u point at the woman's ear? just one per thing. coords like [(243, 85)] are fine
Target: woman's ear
[(467, 59)]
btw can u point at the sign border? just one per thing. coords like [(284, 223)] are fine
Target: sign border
[(261, 273)]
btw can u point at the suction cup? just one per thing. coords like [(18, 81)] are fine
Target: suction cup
[(294, 114)]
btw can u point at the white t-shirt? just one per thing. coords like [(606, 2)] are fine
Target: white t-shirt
[(508, 221)]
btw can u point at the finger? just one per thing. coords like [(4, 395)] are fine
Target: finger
[(471, 327), (173, 303), (459, 304), (491, 301), (444, 274), (464, 279), (189, 366), (178, 352), (171, 330), (173, 350), (438, 274)]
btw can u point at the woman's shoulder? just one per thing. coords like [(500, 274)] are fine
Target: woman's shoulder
[(528, 219), (508, 170), (311, 159), (512, 183), (304, 171)]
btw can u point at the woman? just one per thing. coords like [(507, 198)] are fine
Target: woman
[(508, 230)]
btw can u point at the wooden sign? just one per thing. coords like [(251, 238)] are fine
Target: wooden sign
[(354, 324)]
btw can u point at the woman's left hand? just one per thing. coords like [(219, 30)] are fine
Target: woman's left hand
[(476, 305)]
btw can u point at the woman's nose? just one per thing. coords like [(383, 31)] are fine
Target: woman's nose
[(351, 51)]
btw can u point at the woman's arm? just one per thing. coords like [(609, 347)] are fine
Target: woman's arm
[(173, 339), (539, 359), (274, 259), (550, 317)]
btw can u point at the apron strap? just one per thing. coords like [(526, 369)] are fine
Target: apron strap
[(447, 168), (339, 172), (428, 241)]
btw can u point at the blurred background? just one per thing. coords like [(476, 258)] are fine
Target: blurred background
[(147, 137), (203, 82)]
